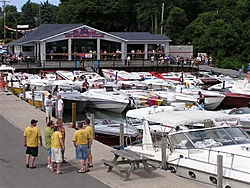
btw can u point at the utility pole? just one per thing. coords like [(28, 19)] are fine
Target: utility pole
[(162, 15), (4, 17)]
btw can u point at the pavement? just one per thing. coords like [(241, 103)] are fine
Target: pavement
[(19, 113)]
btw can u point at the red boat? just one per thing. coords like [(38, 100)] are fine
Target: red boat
[(234, 100)]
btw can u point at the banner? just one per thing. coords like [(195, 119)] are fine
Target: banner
[(18, 30)]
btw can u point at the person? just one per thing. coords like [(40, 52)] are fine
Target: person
[(81, 142), (60, 107), (123, 86), (84, 87), (2, 82), (194, 106), (49, 130), (152, 60), (90, 130), (57, 146), (128, 61), (197, 81), (62, 130), (48, 108), (201, 100), (31, 136)]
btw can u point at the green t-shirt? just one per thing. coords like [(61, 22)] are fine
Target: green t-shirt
[(48, 133)]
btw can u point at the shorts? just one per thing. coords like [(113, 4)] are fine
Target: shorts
[(33, 151), (49, 152), (56, 155), (48, 113), (89, 149), (82, 152), (60, 114)]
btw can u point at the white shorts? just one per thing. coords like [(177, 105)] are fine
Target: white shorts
[(48, 113), (56, 155), (60, 114)]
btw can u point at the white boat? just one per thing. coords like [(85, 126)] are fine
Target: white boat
[(106, 98), (212, 99), (120, 75), (136, 116), (142, 98), (243, 113), (107, 131), (74, 96), (194, 143)]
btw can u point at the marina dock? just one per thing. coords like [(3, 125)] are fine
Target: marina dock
[(19, 113)]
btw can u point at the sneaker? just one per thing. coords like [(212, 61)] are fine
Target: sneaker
[(49, 167)]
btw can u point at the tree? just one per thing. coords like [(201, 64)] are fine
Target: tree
[(28, 14), (46, 14), (175, 25)]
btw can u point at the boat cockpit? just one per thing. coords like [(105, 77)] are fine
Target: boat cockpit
[(208, 138)]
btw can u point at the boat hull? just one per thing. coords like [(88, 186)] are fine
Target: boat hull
[(234, 100), (80, 105), (108, 105)]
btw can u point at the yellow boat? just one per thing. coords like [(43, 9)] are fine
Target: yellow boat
[(38, 95)]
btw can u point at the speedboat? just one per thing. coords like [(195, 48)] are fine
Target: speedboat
[(69, 97), (212, 99), (194, 143), (107, 98), (136, 116), (107, 131), (243, 113), (38, 97)]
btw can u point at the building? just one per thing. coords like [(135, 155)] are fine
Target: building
[(66, 41)]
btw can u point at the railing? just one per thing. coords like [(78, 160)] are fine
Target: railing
[(231, 163)]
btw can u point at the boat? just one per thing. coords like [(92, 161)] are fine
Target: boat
[(107, 98), (120, 75), (107, 131), (142, 98), (243, 113), (212, 99), (12, 81), (194, 143), (234, 100), (135, 117), (69, 97), (38, 97)]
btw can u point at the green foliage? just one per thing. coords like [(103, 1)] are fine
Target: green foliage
[(220, 28)]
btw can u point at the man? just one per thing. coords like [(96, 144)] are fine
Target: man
[(62, 130), (57, 146), (48, 108), (48, 133), (201, 101), (31, 136), (81, 142), (60, 107), (90, 130)]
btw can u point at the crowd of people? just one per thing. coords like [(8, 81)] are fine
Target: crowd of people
[(54, 135)]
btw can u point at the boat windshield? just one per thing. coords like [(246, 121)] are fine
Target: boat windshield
[(207, 138)]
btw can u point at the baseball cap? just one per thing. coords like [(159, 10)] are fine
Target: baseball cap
[(33, 121)]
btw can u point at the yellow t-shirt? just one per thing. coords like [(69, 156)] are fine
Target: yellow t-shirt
[(90, 130), (81, 137), (32, 134), (55, 140)]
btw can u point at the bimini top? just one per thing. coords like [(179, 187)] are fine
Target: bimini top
[(172, 118)]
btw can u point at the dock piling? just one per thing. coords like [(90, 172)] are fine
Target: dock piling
[(219, 171), (73, 115)]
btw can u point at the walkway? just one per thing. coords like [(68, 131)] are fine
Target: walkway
[(19, 113)]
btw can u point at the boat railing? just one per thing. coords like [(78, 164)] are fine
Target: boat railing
[(229, 164)]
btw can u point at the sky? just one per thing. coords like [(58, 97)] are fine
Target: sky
[(20, 3)]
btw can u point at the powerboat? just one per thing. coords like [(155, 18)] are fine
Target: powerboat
[(243, 113), (194, 143), (107, 131), (107, 98), (69, 97), (136, 116)]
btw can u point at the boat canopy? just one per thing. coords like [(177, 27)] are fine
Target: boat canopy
[(172, 118)]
